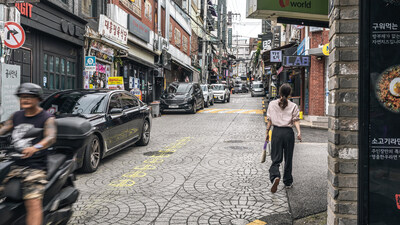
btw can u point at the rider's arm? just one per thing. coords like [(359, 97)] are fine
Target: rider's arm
[(50, 133), (8, 126)]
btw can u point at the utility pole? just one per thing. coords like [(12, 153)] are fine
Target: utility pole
[(203, 56)]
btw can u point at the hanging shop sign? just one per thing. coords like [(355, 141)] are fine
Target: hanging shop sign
[(277, 37), (139, 29), (112, 30), (296, 61), (325, 49), (10, 80), (379, 111), (276, 56), (116, 83), (267, 41), (14, 35)]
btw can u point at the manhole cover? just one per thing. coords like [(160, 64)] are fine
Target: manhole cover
[(239, 221), (237, 147), (155, 153), (234, 141)]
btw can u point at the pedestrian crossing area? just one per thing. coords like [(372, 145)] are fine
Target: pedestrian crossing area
[(232, 111)]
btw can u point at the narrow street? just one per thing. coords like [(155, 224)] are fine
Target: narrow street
[(197, 169)]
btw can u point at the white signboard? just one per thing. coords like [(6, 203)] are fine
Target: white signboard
[(267, 45), (10, 80), (276, 56), (112, 30)]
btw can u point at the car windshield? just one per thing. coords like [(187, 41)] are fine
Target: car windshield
[(76, 103), (179, 88), (257, 86), (204, 88), (218, 87)]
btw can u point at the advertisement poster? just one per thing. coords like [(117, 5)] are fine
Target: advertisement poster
[(382, 43), (9, 82), (98, 78), (116, 83)]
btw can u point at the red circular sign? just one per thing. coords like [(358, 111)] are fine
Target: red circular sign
[(14, 35)]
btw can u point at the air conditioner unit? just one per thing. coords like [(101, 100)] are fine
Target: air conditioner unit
[(165, 44), (157, 46)]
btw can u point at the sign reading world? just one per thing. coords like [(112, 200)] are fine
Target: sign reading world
[(296, 61), (137, 28)]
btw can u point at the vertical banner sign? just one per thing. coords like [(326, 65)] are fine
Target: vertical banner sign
[(379, 183), (267, 41), (230, 37), (10, 80), (277, 37)]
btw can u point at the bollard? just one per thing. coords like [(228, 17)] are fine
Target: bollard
[(301, 115)]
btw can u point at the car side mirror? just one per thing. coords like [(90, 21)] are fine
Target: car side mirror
[(115, 111)]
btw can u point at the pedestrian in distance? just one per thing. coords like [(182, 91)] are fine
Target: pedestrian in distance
[(282, 114)]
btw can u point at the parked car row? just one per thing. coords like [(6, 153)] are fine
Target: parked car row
[(190, 97), (119, 119)]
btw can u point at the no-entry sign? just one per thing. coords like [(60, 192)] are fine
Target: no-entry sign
[(14, 35)]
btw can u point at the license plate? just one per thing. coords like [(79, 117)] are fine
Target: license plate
[(174, 106)]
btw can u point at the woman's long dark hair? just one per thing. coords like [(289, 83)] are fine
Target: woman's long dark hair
[(284, 91)]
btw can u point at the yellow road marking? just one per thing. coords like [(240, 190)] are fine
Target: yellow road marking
[(257, 222), (231, 111), (257, 111)]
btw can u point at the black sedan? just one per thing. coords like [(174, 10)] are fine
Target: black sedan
[(120, 119)]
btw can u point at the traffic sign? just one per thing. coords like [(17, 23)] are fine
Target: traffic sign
[(14, 35)]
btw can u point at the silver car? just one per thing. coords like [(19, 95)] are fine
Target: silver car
[(208, 94), (221, 93), (257, 89)]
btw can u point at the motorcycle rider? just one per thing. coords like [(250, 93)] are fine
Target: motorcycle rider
[(32, 167)]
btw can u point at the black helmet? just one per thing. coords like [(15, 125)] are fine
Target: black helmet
[(30, 89)]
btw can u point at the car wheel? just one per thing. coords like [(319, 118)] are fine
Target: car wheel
[(145, 139), (212, 101), (194, 108), (92, 155)]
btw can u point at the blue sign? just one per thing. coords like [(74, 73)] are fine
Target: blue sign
[(301, 50), (90, 61)]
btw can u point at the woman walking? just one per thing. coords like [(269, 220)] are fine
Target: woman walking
[(282, 114)]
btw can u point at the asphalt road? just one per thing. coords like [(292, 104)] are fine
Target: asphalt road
[(197, 169)]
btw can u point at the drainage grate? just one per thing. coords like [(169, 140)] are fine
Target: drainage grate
[(237, 147), (234, 141), (155, 153)]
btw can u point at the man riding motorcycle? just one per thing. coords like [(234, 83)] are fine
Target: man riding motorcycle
[(32, 167)]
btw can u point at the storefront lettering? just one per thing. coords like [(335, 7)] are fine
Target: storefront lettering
[(110, 29), (298, 61), (139, 29), (25, 9)]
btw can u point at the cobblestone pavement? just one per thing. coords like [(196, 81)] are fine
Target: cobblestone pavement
[(197, 169)]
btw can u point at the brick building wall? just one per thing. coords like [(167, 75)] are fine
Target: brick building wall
[(149, 21), (317, 75), (194, 46), (183, 33), (343, 113)]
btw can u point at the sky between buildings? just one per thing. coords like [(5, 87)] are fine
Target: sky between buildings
[(244, 27)]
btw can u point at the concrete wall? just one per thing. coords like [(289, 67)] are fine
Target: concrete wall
[(343, 113)]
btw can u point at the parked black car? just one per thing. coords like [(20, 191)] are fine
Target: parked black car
[(119, 119), (185, 97)]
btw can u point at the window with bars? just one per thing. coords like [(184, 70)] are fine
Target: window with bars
[(59, 73)]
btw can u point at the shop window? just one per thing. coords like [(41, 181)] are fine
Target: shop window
[(58, 72), (177, 38), (148, 10), (170, 31), (184, 43)]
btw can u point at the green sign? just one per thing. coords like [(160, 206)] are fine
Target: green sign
[(301, 6)]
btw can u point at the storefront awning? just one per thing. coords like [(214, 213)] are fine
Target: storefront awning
[(187, 67), (296, 12), (140, 55), (109, 42)]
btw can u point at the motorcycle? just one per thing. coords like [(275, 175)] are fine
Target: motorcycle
[(60, 191)]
